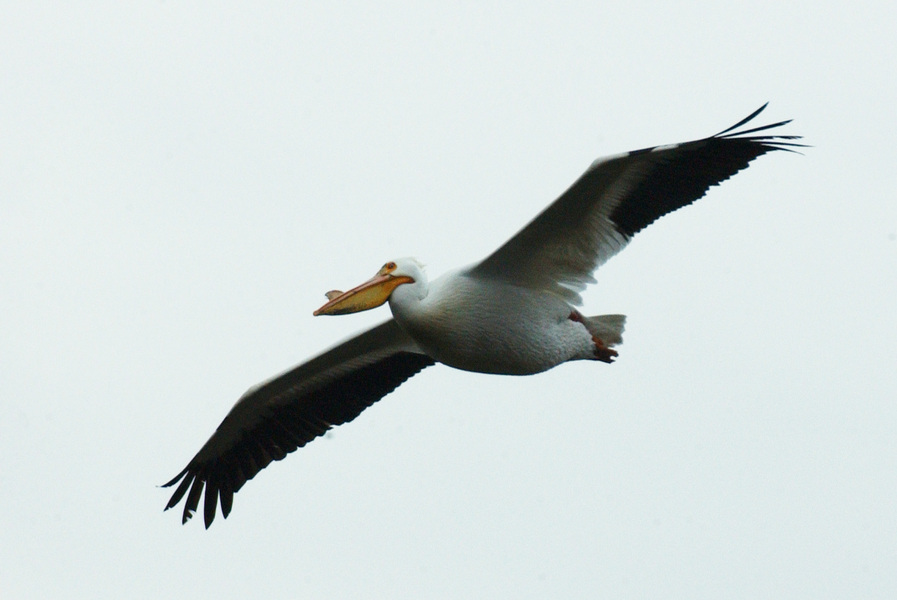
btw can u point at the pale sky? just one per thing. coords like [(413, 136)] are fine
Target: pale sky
[(179, 186)]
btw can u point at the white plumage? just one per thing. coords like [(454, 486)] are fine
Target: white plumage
[(477, 323)]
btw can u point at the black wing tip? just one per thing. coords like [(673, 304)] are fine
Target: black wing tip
[(765, 143), (190, 480), (176, 478), (748, 119), (770, 142), (710, 161)]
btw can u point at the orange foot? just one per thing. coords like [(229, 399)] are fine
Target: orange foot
[(602, 352)]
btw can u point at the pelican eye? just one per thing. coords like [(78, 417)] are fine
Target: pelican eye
[(387, 269)]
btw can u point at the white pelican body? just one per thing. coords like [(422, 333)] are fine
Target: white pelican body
[(513, 313), (488, 326)]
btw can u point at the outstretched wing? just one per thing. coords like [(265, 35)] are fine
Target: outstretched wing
[(614, 199), (284, 413)]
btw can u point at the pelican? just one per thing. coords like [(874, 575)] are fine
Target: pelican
[(513, 313)]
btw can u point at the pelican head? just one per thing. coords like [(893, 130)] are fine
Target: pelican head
[(375, 291)]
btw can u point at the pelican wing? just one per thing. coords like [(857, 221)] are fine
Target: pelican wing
[(614, 199), (274, 418)]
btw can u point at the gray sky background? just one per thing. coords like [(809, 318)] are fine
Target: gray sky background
[(179, 186)]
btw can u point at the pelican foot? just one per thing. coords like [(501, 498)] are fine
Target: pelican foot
[(602, 352)]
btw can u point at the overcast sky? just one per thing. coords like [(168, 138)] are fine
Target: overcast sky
[(179, 186)]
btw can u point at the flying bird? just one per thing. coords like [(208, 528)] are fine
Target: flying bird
[(513, 313)]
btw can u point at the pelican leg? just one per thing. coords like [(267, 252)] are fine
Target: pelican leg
[(602, 352)]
